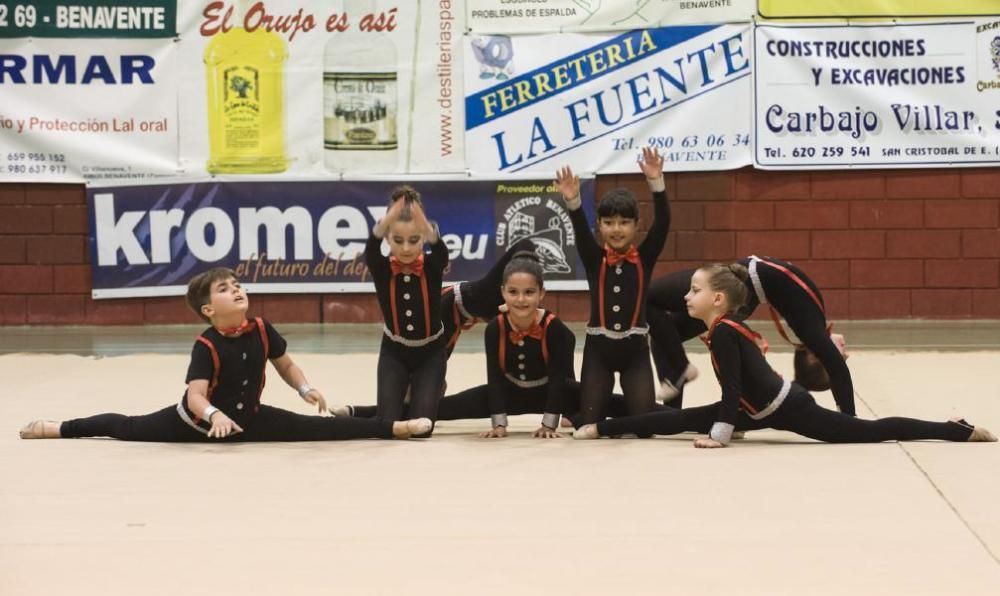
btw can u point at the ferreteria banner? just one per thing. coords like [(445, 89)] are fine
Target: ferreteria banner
[(284, 236), (877, 96), (88, 89), (541, 16), (108, 91), (775, 9), (592, 101)]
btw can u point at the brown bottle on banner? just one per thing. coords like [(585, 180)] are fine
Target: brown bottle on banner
[(360, 97)]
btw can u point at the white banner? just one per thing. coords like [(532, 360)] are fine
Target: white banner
[(877, 95), (535, 103), (541, 16), (368, 87), (103, 114), (293, 88)]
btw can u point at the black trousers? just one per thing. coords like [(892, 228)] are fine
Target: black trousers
[(602, 358), (799, 414), (808, 321), (474, 403), (268, 424), (421, 370)]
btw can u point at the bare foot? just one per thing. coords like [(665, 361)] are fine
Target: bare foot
[(404, 429), (587, 431), (41, 429)]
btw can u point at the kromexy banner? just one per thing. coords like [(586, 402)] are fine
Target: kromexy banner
[(282, 236)]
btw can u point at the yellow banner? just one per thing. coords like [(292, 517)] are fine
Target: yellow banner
[(775, 9)]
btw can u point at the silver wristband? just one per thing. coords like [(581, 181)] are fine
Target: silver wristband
[(550, 421), (574, 203), (722, 432), (206, 415), (498, 420), (303, 389)]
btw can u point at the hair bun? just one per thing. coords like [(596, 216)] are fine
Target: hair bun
[(405, 192), (527, 254), (739, 271)]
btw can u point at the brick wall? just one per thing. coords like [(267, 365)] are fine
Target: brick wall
[(881, 244)]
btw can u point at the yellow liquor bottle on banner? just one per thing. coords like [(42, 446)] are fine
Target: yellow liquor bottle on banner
[(360, 98), (246, 113)]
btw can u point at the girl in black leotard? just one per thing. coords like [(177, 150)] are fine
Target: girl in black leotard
[(820, 360), (753, 395)]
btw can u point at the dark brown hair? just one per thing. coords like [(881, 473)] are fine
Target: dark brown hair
[(618, 201), (199, 290), (408, 194), (809, 371), (525, 261)]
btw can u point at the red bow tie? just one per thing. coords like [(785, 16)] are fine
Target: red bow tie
[(517, 337), (414, 268), (238, 330), (536, 332), (614, 257)]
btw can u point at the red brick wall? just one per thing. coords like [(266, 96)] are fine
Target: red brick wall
[(881, 244)]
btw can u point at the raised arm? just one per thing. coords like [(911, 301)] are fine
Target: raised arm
[(376, 261), (426, 227), (652, 168), (568, 185)]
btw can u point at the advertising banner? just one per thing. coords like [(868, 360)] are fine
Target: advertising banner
[(776, 9), (592, 101), (550, 16), (239, 87), (877, 95), (309, 236), (74, 106), (329, 88)]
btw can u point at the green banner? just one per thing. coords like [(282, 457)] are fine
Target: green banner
[(89, 18)]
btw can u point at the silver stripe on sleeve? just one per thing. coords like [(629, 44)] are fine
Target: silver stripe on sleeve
[(758, 288), (184, 416), (458, 302)]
